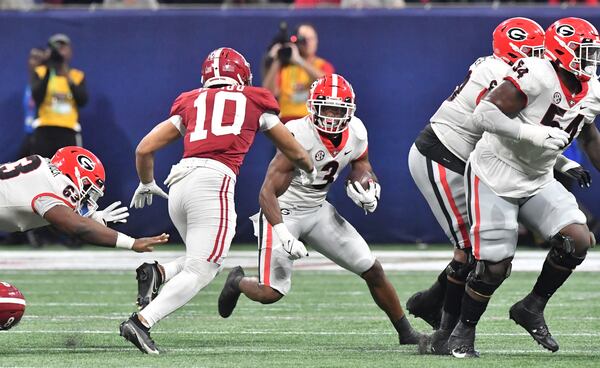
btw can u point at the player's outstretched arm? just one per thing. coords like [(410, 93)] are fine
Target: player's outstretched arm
[(162, 135), (289, 146), (69, 222), (277, 180), (159, 137), (589, 139)]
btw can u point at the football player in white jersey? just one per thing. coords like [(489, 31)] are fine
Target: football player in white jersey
[(36, 192), (437, 162), (291, 210), (508, 179)]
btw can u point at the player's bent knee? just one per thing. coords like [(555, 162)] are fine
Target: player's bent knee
[(269, 295), (574, 238), (374, 274), (566, 253), (488, 276)]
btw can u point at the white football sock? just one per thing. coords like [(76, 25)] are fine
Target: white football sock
[(173, 268)]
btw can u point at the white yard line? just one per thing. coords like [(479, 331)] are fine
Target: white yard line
[(122, 260)]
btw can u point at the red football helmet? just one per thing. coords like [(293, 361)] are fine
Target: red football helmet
[(516, 38), (12, 306), (331, 103), (226, 66), (574, 44), (85, 171)]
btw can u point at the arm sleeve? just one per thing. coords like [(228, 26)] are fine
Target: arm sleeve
[(39, 84), (44, 202), (177, 122), (267, 121)]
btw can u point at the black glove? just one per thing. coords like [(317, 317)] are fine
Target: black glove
[(582, 176)]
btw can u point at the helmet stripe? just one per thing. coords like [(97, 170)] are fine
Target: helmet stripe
[(334, 86), (216, 62)]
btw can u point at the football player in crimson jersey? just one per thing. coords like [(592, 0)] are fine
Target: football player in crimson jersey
[(508, 179), (218, 123), (62, 191), (292, 210), (437, 163)]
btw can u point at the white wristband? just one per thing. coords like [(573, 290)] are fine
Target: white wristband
[(282, 232), (124, 241)]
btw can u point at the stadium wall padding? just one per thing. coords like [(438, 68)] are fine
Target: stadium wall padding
[(402, 64)]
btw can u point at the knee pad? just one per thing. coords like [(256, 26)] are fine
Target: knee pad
[(560, 257), (200, 267), (488, 276), (460, 271)]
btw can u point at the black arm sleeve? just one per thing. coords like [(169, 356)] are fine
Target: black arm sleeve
[(79, 92), (39, 86)]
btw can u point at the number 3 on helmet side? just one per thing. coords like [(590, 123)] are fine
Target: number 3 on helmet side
[(216, 121)]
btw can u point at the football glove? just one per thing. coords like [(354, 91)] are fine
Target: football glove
[(573, 170), (112, 213), (292, 246), (143, 194), (544, 136), (307, 178), (365, 199)]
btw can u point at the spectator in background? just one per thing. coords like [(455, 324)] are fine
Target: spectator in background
[(290, 73), (36, 58), (59, 91)]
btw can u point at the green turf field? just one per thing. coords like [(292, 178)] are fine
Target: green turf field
[(328, 320)]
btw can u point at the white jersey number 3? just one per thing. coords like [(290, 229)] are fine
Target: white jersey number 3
[(216, 122)]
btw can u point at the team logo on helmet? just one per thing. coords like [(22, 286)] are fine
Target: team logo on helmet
[(86, 162), (320, 155), (556, 98), (565, 30), (517, 34)]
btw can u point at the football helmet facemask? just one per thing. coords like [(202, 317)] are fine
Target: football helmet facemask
[(574, 44), (331, 103)]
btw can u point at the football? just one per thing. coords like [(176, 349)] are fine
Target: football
[(361, 176), (12, 306)]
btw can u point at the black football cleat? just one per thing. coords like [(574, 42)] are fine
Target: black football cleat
[(533, 322), (138, 336), (425, 306), (461, 343), (231, 292), (436, 343), (149, 281)]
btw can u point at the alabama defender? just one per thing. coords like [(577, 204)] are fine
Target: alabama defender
[(293, 212), (62, 191), (437, 163), (508, 179), (218, 123)]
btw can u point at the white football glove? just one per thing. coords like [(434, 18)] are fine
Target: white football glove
[(294, 247), (143, 194), (365, 199), (544, 136), (307, 178), (112, 213)]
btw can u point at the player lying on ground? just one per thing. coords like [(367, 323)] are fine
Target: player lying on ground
[(509, 180), (437, 163), (218, 123), (36, 192), (292, 210)]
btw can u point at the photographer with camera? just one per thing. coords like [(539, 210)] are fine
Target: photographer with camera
[(58, 91), (292, 66)]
